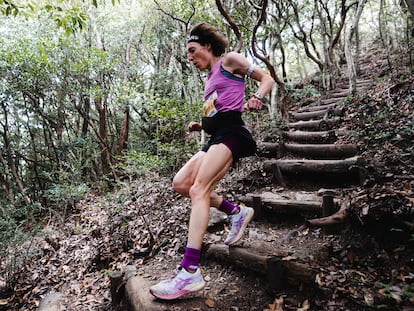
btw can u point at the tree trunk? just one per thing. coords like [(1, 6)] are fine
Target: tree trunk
[(86, 106), (383, 34), (11, 162), (4, 178), (84, 110), (123, 135), (350, 60), (410, 6), (103, 137)]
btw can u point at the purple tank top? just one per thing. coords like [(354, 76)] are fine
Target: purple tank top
[(223, 90)]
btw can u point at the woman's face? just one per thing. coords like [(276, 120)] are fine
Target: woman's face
[(199, 55)]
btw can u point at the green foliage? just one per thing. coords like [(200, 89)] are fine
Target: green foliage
[(8, 8), (374, 116), (15, 230), (397, 293), (136, 163), (298, 94), (70, 20), (168, 145), (71, 17), (9, 216), (170, 117), (67, 192)]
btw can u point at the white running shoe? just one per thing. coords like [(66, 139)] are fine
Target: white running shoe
[(181, 284), (238, 223)]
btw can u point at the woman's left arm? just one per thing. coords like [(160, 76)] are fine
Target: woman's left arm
[(240, 66), (265, 86)]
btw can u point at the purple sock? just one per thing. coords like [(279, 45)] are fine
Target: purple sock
[(228, 207), (191, 258)]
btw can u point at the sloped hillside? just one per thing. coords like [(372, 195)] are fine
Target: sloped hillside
[(108, 251)]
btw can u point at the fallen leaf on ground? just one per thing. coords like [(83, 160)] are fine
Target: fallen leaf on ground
[(209, 302)]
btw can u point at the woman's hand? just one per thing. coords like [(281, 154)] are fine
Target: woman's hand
[(253, 103), (194, 126)]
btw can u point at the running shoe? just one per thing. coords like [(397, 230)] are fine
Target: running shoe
[(181, 284), (238, 223)]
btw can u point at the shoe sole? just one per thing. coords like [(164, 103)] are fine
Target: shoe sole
[(249, 217), (190, 289)]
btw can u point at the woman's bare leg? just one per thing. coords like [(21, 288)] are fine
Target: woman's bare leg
[(214, 165), (185, 177)]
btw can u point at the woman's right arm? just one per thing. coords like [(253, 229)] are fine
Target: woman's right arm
[(194, 126)]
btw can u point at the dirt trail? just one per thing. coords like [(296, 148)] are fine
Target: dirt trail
[(289, 258), (292, 235)]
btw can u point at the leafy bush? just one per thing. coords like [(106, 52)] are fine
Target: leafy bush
[(299, 93), (139, 163), (15, 231), (171, 118), (67, 193)]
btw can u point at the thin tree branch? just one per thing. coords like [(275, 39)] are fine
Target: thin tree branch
[(186, 23), (232, 24)]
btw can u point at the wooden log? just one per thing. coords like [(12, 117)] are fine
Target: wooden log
[(314, 151), (328, 206), (117, 288), (308, 115), (295, 273), (271, 150), (278, 174), (314, 166), (286, 206), (364, 82), (335, 219), (241, 257), (334, 100), (257, 206), (319, 125), (325, 151), (340, 93), (322, 102), (321, 106), (311, 137)]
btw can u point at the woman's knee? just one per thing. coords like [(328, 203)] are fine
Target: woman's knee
[(180, 186), (198, 192)]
